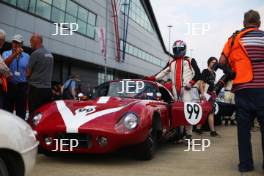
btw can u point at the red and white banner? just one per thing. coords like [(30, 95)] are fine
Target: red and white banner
[(102, 40)]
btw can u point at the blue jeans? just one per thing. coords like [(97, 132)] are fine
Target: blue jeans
[(249, 104)]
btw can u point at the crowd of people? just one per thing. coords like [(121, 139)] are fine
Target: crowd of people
[(26, 81), (242, 61), (188, 84)]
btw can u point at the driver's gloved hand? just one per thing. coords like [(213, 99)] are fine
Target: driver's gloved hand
[(189, 85)]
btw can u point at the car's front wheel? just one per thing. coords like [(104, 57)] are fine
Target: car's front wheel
[(147, 149), (3, 168), (11, 164)]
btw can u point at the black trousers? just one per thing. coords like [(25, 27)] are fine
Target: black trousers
[(16, 99), (37, 97), (249, 104)]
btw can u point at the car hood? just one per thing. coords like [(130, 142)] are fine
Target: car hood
[(15, 133), (74, 116)]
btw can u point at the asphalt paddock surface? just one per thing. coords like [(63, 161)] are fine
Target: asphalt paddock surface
[(220, 159)]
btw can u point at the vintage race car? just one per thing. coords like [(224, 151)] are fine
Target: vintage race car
[(122, 113), (223, 109)]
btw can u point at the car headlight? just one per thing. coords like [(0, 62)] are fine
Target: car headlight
[(36, 119), (130, 121), (127, 123)]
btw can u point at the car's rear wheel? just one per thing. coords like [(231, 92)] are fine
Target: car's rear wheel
[(148, 148), (3, 168)]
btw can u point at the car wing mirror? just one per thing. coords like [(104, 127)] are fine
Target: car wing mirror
[(80, 95), (158, 95), (150, 94)]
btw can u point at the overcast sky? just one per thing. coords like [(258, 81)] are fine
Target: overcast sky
[(212, 21)]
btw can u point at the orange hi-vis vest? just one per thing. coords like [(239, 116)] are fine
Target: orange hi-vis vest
[(238, 58), (4, 83)]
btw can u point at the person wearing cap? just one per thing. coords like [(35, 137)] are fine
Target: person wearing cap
[(4, 70), (39, 72), (17, 60), (69, 88)]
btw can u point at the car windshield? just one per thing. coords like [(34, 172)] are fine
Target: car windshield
[(128, 89)]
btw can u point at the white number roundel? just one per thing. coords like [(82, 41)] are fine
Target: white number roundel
[(216, 108), (85, 110), (192, 112)]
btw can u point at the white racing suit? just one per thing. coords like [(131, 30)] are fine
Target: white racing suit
[(190, 74)]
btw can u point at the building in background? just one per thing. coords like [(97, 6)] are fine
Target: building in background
[(81, 53)]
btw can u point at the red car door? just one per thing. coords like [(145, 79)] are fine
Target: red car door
[(189, 113)]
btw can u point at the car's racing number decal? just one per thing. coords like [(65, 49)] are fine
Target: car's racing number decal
[(103, 100), (192, 112), (85, 110), (216, 108)]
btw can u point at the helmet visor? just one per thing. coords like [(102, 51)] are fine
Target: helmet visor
[(177, 51)]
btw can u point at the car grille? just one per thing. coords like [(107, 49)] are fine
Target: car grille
[(84, 140)]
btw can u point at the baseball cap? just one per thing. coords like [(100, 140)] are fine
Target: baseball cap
[(76, 77), (18, 38)]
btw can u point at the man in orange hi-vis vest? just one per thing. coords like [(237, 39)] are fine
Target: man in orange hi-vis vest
[(244, 53), (4, 71)]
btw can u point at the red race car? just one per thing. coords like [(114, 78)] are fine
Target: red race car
[(122, 113)]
